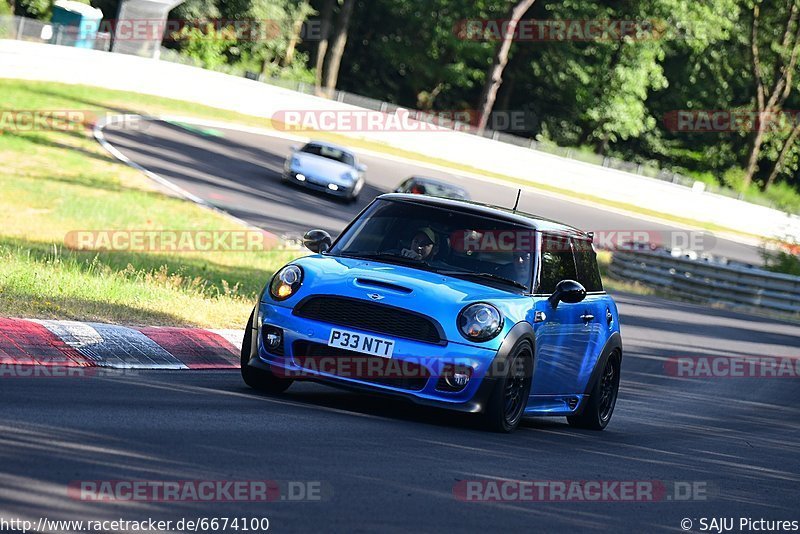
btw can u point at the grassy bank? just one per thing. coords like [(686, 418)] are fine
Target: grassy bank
[(56, 182)]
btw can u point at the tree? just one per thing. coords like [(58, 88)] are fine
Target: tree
[(299, 15), (780, 162), (773, 82), (334, 56), (494, 78), (206, 44), (322, 45), (37, 9), (194, 10), (411, 53)]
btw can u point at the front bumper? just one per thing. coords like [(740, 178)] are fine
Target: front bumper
[(431, 359), (319, 184)]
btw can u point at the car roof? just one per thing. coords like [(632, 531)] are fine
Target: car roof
[(330, 145), (486, 210)]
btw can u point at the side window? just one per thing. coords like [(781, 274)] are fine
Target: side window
[(586, 262), (557, 263)]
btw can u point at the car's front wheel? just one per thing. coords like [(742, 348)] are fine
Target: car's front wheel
[(603, 398), (260, 379), (508, 400)]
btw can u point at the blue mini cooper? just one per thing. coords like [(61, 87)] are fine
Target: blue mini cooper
[(447, 303)]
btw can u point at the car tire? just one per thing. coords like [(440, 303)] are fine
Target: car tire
[(598, 410), (506, 406), (259, 379)]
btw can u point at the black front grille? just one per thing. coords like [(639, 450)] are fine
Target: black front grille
[(358, 366), (370, 316)]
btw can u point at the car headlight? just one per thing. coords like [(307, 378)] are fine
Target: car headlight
[(480, 322), (286, 282)]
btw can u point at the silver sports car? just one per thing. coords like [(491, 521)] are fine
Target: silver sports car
[(327, 168)]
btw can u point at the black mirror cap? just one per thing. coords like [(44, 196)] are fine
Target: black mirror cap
[(318, 241), (568, 291)]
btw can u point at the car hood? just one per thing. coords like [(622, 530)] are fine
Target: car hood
[(437, 296), (323, 168)]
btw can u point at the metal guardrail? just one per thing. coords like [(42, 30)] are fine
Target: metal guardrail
[(734, 286)]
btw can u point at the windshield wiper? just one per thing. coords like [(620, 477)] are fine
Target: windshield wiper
[(488, 276)]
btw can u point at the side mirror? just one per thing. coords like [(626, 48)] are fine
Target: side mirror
[(361, 167), (568, 291), (318, 241), (294, 148)]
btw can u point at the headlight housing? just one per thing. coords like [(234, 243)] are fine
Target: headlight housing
[(286, 282), (480, 322)]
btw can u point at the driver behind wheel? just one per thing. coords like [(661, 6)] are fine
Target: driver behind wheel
[(423, 245)]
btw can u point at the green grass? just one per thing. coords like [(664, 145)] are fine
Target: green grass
[(55, 182)]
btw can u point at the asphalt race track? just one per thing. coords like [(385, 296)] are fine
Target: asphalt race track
[(390, 465), (393, 466), (240, 173)]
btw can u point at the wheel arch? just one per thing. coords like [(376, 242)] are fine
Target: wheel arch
[(522, 331), (613, 345)]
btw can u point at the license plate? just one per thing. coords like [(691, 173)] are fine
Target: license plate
[(376, 346)]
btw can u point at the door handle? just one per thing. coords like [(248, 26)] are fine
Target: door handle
[(587, 317)]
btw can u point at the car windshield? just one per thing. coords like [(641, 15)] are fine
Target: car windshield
[(330, 153), (438, 189), (453, 243)]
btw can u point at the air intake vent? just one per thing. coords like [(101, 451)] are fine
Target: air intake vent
[(365, 368), (385, 285)]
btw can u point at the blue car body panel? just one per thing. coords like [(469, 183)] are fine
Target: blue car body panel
[(567, 347)]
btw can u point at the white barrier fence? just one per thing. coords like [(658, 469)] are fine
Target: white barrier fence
[(34, 61), (735, 286)]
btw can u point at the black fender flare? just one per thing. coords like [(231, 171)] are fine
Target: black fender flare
[(613, 344), (252, 326), (522, 331)]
